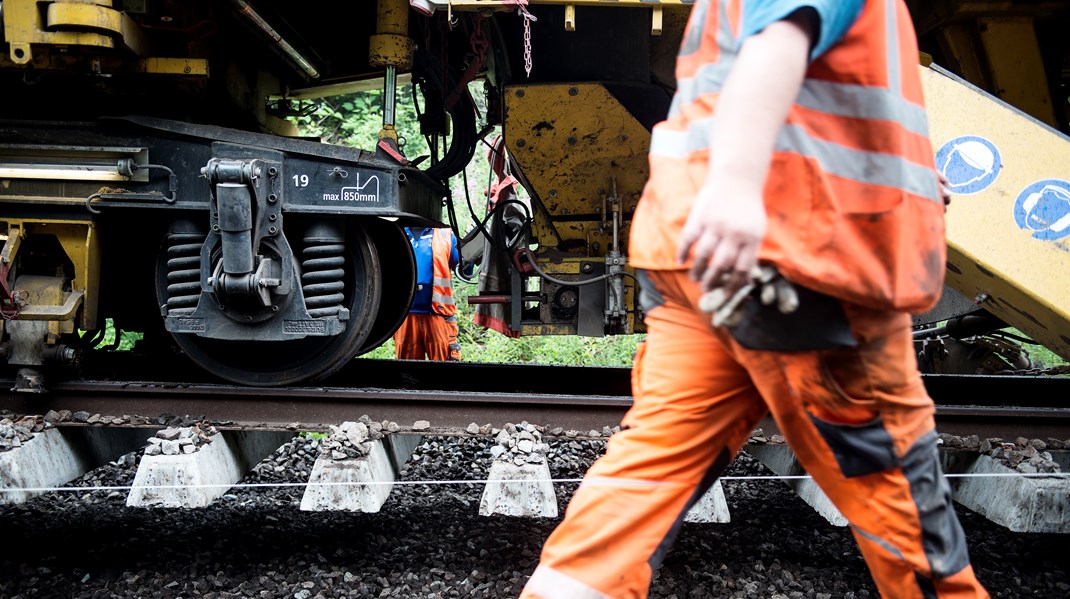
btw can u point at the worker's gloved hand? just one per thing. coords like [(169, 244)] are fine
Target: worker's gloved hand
[(772, 289)]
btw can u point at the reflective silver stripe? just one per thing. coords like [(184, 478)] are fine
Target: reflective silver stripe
[(694, 35), (885, 544), (895, 77), (445, 300), (863, 102), (548, 583), (440, 282), (670, 143), (709, 77), (837, 99), (870, 168)]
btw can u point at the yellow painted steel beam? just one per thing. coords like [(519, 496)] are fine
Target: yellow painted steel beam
[(193, 67), (1008, 226), (92, 23), (79, 242)]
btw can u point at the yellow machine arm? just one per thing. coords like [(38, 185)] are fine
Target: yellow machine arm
[(1008, 226)]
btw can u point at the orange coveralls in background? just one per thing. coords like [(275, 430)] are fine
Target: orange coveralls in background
[(855, 223), (430, 330)]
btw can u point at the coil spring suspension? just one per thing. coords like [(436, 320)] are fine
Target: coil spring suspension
[(321, 279), (184, 271)]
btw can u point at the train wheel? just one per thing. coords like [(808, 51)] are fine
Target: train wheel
[(272, 363)]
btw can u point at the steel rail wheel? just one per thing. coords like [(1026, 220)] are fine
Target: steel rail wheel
[(273, 363)]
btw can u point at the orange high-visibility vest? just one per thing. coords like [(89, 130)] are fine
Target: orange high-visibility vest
[(852, 199), (442, 285)]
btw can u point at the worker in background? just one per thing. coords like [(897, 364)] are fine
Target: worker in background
[(792, 221), (430, 330)]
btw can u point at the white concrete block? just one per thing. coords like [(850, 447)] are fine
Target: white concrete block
[(711, 508), (56, 456), (329, 489), (196, 479), (781, 460), (519, 491), (1022, 504)]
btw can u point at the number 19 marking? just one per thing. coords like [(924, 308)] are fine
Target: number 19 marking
[(300, 180)]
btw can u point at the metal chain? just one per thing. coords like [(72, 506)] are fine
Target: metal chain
[(522, 8)]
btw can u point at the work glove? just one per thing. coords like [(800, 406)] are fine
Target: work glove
[(772, 289)]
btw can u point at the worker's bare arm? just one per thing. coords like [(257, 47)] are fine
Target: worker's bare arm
[(727, 221)]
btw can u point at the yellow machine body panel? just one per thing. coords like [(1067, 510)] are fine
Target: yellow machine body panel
[(578, 148), (1008, 226)]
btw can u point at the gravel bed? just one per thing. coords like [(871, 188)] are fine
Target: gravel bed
[(428, 540)]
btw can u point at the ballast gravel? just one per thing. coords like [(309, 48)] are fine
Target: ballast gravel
[(429, 542)]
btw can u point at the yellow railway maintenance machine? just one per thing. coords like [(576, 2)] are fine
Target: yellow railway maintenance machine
[(149, 174)]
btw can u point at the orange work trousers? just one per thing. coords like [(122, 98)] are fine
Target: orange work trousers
[(858, 419), (427, 335)]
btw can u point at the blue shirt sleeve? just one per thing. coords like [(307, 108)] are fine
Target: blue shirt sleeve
[(836, 16), (455, 256)]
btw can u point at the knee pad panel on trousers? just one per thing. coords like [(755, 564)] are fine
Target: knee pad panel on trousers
[(942, 537), (860, 449)]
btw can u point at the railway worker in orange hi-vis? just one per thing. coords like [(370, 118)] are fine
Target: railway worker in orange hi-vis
[(792, 221), (430, 330)]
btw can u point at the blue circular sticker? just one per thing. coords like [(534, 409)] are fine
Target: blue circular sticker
[(1044, 209), (970, 163)]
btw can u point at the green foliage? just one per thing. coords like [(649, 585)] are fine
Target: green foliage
[(482, 345), (354, 120), (1041, 356), (126, 339)]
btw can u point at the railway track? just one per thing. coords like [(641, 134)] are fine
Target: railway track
[(451, 396), (428, 538)]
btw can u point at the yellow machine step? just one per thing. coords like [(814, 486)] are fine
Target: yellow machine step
[(1008, 226)]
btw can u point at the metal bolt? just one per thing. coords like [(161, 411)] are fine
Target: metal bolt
[(273, 230), (222, 308), (274, 308), (623, 137), (553, 193), (572, 91), (248, 318), (273, 216), (572, 141), (587, 268), (981, 298), (521, 143), (520, 93), (215, 228), (272, 171), (272, 197)]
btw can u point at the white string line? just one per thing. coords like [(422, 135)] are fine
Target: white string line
[(131, 487)]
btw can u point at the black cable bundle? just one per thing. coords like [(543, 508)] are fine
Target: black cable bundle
[(433, 67)]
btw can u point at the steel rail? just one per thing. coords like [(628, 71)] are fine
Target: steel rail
[(960, 409)]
